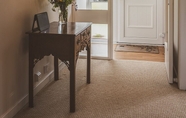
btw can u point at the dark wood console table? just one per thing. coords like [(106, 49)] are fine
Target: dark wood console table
[(64, 42)]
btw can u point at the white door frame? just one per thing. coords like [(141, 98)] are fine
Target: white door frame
[(110, 42), (169, 10)]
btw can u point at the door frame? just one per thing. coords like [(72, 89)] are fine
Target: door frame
[(111, 41), (169, 27)]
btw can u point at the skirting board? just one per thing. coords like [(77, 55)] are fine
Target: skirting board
[(176, 74), (140, 44), (22, 102)]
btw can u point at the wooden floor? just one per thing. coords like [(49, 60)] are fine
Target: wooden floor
[(140, 56), (100, 49)]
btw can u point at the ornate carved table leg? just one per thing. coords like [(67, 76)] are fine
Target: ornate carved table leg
[(56, 70)]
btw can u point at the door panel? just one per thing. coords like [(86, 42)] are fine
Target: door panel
[(141, 21)]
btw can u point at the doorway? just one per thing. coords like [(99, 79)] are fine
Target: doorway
[(139, 23), (112, 17), (168, 19)]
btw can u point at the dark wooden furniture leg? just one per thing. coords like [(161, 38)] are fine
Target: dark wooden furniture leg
[(72, 85), (56, 70), (31, 81), (88, 64)]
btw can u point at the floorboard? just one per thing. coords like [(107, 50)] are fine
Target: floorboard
[(140, 56), (100, 50)]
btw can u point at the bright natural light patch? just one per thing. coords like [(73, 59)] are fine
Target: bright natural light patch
[(100, 31), (93, 4)]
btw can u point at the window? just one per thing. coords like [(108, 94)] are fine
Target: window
[(93, 4)]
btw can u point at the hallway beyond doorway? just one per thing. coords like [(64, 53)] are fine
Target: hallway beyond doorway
[(100, 49), (140, 56)]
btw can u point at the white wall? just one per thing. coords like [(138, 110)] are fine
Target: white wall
[(182, 45), (16, 18), (116, 21)]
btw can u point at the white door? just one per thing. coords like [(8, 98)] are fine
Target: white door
[(169, 40), (99, 13), (141, 21)]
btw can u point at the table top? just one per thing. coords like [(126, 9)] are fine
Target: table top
[(71, 28)]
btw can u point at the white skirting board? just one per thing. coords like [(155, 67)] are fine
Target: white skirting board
[(22, 102)]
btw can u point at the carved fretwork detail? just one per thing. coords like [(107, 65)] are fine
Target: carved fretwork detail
[(78, 43), (88, 38), (85, 38), (77, 55), (67, 63), (36, 60)]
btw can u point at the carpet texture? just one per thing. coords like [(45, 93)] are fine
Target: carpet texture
[(118, 89), (136, 48)]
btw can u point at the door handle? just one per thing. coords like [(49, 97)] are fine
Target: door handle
[(162, 35)]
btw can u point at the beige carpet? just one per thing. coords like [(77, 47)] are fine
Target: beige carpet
[(119, 89), (137, 48)]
